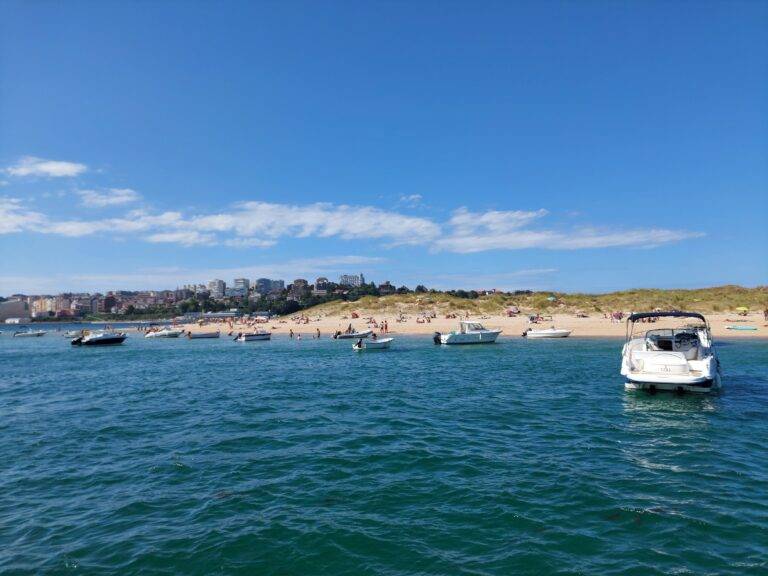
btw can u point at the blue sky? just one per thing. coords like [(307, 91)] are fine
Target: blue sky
[(572, 146)]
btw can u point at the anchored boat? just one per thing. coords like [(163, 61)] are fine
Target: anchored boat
[(29, 334), (677, 359), (345, 335), (546, 333), (197, 335), (99, 338), (468, 333), (378, 344), (252, 336), (164, 333)]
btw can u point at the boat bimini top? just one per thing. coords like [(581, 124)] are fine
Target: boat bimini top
[(675, 314), (667, 339)]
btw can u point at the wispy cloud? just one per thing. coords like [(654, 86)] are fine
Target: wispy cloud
[(14, 217), (263, 224), (34, 166), (164, 278), (183, 237), (272, 221), (528, 278), (510, 230), (411, 200), (109, 197)]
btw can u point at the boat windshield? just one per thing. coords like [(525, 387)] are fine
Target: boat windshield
[(472, 326), (669, 339)]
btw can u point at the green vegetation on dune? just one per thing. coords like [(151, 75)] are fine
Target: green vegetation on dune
[(716, 299)]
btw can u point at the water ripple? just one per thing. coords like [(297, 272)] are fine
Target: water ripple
[(304, 458)]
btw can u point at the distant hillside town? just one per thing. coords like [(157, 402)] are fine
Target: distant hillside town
[(243, 296)]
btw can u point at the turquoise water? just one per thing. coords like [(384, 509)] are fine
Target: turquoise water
[(286, 457)]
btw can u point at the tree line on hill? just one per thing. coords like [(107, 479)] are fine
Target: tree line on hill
[(282, 303)]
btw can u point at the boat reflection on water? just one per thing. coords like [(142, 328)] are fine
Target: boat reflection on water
[(664, 414)]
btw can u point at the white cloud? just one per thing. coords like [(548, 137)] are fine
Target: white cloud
[(262, 224), (465, 222), (33, 166), (183, 237), (271, 221), (110, 197), (249, 243), (508, 230), (170, 277), (528, 278), (14, 217), (411, 200)]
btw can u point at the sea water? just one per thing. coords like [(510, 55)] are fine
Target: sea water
[(305, 457)]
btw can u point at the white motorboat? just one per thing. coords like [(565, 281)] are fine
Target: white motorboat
[(253, 336), (547, 333), (347, 335), (378, 344), (164, 333), (29, 334), (677, 359), (468, 333), (99, 338), (197, 335)]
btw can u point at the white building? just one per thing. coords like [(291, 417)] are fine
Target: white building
[(242, 284), (353, 280), (217, 288)]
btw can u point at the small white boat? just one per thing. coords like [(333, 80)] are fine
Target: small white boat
[(197, 335), (546, 333), (29, 334), (164, 333), (99, 338), (253, 336), (348, 335), (675, 359), (468, 333), (378, 344)]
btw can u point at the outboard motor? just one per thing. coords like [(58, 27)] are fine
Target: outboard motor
[(436, 338)]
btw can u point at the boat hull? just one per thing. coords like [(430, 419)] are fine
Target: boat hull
[(104, 341), (164, 334), (653, 383), (382, 344), (535, 334), (202, 335), (28, 334), (254, 337), (487, 337), (354, 335)]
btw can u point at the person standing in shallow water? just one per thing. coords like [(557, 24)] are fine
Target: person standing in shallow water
[(290, 333), (318, 333)]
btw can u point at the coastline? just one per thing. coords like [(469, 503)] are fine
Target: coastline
[(593, 326)]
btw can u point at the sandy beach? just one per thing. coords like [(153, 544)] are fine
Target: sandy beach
[(593, 326)]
